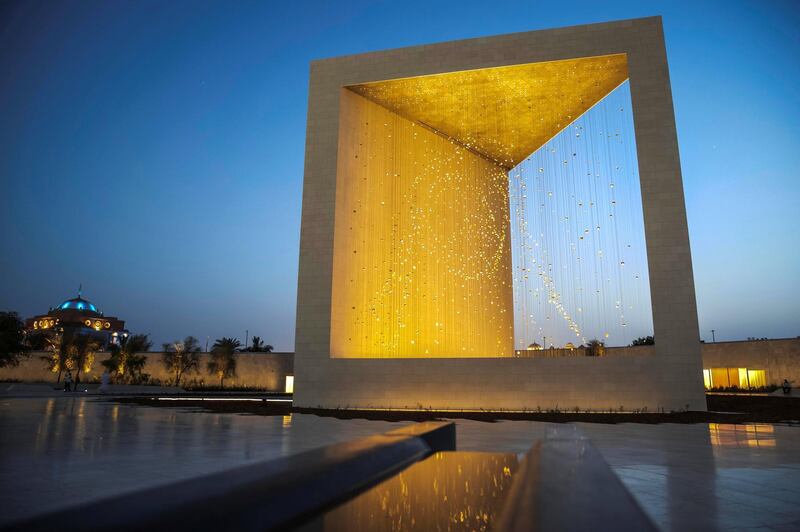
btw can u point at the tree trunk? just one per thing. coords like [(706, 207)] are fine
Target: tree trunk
[(78, 374)]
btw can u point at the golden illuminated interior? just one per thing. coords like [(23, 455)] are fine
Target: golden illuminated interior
[(503, 113), (422, 257), (743, 378)]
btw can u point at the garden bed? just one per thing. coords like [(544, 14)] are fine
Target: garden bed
[(722, 409)]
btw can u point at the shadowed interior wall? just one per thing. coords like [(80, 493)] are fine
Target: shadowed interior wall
[(422, 259)]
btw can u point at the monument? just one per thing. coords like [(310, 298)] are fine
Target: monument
[(405, 296)]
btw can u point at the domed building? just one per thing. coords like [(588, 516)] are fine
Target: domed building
[(77, 316)]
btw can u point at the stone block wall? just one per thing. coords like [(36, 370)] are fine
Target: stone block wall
[(779, 358)]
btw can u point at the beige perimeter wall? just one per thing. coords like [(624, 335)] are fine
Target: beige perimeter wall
[(779, 358), (261, 370)]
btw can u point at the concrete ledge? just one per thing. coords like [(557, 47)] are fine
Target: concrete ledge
[(564, 484), (438, 436), (261, 496)]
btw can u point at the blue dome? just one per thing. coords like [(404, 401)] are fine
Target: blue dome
[(77, 304)]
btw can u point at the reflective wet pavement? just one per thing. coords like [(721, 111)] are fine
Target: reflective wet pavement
[(56, 452), (686, 477)]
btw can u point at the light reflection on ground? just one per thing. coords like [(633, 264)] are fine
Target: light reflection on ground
[(58, 451), (750, 435), (448, 491)]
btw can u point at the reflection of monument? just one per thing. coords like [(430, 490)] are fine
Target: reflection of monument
[(76, 316), (405, 246)]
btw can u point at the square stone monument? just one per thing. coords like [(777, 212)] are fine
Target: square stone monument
[(405, 289)]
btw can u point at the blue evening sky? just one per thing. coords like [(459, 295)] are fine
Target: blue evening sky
[(153, 151)]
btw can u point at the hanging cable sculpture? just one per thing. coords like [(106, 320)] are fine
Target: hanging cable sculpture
[(580, 263)]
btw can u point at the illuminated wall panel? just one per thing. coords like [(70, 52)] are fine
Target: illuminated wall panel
[(756, 378), (422, 261)]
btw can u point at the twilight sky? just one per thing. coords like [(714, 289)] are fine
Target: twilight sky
[(153, 151)]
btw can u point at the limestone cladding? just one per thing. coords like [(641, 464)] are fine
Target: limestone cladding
[(670, 378)]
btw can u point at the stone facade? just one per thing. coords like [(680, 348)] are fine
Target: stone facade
[(669, 378), (780, 358)]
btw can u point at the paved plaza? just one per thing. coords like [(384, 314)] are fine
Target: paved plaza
[(58, 451)]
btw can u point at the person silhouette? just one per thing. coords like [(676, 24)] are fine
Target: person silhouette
[(104, 380), (68, 382), (787, 387)]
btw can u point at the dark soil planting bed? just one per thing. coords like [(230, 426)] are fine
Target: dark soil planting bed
[(721, 409)]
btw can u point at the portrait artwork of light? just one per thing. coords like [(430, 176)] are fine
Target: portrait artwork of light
[(423, 262), (438, 177)]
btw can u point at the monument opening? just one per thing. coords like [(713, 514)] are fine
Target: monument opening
[(577, 231), (483, 211)]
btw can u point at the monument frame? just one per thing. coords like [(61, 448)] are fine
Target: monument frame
[(668, 377)]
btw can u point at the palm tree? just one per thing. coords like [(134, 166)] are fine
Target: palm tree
[(83, 348), (181, 357), (124, 364), (595, 348), (12, 339), (59, 345), (258, 345), (223, 359)]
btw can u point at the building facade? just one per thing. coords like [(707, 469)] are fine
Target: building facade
[(75, 316)]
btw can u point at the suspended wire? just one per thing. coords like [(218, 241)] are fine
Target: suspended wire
[(579, 254)]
